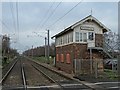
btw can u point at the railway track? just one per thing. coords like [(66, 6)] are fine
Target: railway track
[(55, 76), (47, 76), (4, 70), (25, 74), (61, 81), (14, 77), (33, 77), (22, 76)]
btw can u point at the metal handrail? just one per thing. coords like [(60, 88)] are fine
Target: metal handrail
[(108, 49)]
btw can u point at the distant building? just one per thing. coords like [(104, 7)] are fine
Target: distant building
[(76, 41)]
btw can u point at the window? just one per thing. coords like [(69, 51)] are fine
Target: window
[(68, 38), (61, 41), (71, 37), (80, 36), (62, 58), (84, 37), (58, 41), (65, 39), (90, 36), (57, 57), (68, 58), (77, 36)]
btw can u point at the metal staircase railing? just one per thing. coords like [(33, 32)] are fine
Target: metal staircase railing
[(108, 50)]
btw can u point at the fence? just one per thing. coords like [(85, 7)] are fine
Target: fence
[(87, 66)]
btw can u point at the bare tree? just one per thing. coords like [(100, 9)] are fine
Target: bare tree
[(40, 51)]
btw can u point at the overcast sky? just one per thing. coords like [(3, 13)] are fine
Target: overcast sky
[(35, 17)]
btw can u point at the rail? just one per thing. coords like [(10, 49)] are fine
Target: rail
[(22, 73), (5, 76), (51, 70), (48, 77), (23, 77)]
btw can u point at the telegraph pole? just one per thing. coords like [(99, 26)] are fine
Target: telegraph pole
[(91, 60), (32, 51), (45, 47), (48, 46)]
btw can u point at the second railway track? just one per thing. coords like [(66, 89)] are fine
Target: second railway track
[(13, 77)]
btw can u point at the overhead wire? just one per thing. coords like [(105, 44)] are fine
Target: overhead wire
[(14, 19), (65, 14), (13, 16), (3, 23), (46, 13), (51, 14)]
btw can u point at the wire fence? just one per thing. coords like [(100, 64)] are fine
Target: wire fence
[(87, 66)]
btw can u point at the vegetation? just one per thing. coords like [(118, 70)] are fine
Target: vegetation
[(111, 74), (7, 53), (44, 60), (40, 51)]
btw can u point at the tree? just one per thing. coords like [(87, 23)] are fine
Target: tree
[(40, 51), (6, 49), (5, 45)]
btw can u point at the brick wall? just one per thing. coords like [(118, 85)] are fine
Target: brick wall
[(74, 51), (64, 64)]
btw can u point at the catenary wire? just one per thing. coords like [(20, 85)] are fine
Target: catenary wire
[(13, 16), (47, 12), (51, 14), (65, 14)]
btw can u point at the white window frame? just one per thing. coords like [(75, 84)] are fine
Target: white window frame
[(80, 37), (90, 39), (77, 36), (84, 37)]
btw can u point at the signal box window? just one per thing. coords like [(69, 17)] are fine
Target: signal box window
[(77, 36), (90, 36)]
